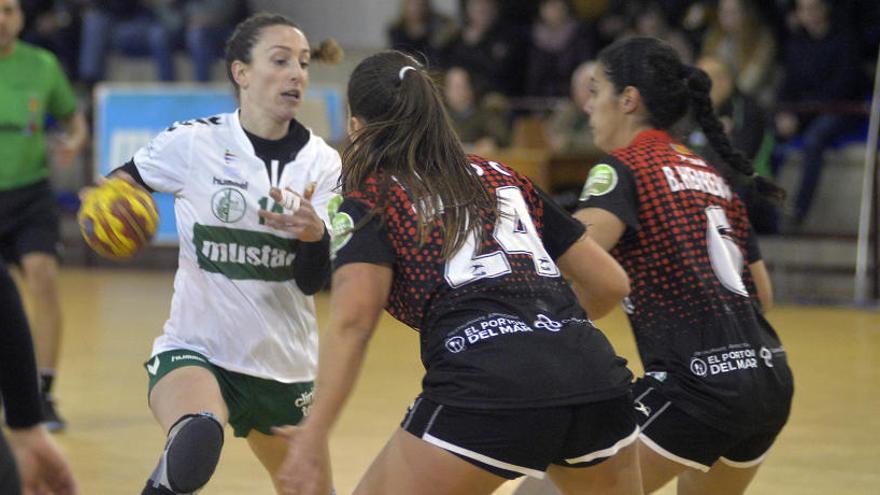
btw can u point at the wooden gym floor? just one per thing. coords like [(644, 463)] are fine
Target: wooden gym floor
[(831, 444)]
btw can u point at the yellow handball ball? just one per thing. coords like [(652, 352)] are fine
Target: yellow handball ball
[(118, 219)]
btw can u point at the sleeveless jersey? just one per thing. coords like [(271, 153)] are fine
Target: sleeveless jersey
[(686, 248), (235, 300), (499, 327)]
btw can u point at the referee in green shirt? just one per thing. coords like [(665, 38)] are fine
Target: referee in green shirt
[(32, 86)]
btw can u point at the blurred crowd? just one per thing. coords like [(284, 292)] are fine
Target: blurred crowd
[(82, 32), (788, 74)]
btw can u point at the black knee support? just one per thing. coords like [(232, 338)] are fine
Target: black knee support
[(191, 454)]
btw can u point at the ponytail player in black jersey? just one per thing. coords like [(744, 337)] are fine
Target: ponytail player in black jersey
[(518, 381), (717, 388)]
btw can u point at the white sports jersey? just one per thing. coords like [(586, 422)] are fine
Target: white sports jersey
[(235, 300)]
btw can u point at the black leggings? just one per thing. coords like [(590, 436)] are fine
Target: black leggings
[(9, 482)]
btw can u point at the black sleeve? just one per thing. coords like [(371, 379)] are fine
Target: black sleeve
[(131, 169), (368, 244), (753, 251), (611, 186), (311, 267), (18, 368), (561, 230)]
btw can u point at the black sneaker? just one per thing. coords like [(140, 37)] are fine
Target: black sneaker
[(51, 419)]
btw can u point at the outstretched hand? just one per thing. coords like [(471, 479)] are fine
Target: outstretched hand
[(303, 222), (42, 468)]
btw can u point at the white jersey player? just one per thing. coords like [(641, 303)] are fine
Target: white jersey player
[(251, 190)]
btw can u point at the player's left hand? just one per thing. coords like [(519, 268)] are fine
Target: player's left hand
[(304, 222), (42, 468), (306, 468)]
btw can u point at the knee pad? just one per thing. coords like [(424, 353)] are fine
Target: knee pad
[(191, 454)]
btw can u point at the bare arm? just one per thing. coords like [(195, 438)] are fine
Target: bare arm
[(360, 291), (599, 282), (603, 226), (358, 297), (762, 284)]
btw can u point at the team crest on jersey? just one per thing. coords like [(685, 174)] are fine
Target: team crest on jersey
[(228, 205), (602, 180)]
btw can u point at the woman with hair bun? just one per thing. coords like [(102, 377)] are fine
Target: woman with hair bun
[(252, 189)]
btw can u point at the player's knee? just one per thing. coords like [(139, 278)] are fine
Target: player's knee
[(191, 453)]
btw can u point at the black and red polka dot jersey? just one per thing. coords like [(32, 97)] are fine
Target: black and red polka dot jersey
[(686, 248), (499, 327)]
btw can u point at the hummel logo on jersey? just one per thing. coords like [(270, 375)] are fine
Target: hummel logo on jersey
[(230, 182), (154, 366), (642, 409)]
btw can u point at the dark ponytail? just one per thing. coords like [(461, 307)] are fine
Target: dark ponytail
[(407, 139), (668, 88), (699, 84)]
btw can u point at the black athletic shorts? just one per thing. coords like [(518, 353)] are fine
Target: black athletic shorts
[(513, 442), (28, 222), (677, 436)]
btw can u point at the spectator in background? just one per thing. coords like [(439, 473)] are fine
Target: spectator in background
[(821, 63), (479, 121), (650, 19), (621, 14), (198, 26), (568, 127), (745, 41), (749, 130), (420, 31), (157, 28), (54, 25), (559, 43), (128, 26), (489, 48)]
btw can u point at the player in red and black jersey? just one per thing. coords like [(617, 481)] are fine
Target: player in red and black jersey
[(717, 388), (471, 255)]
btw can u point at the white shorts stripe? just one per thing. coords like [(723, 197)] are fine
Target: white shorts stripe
[(610, 451), (412, 412), (534, 473), (744, 464), (646, 392), (669, 455), (656, 415)]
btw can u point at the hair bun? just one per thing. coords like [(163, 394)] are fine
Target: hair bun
[(328, 52)]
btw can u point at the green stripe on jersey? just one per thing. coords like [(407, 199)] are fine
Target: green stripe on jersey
[(244, 254)]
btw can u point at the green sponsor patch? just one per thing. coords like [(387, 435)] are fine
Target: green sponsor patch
[(243, 254), (602, 180), (342, 225), (333, 205)]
